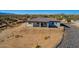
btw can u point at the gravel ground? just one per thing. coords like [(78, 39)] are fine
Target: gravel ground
[(71, 38)]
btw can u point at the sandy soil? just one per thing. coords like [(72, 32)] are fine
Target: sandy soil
[(76, 24), (26, 37)]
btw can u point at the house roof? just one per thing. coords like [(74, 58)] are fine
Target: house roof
[(43, 19)]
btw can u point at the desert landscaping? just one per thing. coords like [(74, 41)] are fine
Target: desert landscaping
[(25, 37)]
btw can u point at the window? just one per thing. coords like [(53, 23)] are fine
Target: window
[(52, 24), (36, 24), (43, 24), (29, 22)]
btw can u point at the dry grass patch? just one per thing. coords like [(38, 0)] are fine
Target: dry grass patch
[(26, 37)]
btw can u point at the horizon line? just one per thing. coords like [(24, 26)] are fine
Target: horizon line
[(69, 12)]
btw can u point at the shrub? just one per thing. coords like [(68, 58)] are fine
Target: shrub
[(17, 36), (47, 37), (38, 46), (2, 41)]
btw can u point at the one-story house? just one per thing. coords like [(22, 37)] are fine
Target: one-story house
[(43, 22)]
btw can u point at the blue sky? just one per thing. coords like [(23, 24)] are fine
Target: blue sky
[(41, 11)]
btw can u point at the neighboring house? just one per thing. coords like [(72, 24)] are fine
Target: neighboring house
[(43, 22)]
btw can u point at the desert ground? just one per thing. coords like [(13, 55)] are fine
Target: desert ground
[(71, 37), (76, 25), (28, 37)]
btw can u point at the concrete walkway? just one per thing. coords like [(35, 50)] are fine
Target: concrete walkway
[(71, 38)]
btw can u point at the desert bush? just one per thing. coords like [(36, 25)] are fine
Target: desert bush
[(38, 46), (47, 37), (1, 40), (17, 36)]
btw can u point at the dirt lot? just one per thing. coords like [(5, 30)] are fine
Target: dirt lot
[(76, 24), (26, 37)]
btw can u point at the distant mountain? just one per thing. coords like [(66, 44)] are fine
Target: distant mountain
[(1, 13)]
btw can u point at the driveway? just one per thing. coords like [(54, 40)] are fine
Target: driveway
[(71, 38)]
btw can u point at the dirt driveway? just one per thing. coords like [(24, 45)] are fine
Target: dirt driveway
[(71, 38)]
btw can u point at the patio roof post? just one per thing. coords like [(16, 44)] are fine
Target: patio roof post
[(47, 24), (40, 24)]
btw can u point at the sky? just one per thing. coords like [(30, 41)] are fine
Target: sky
[(41, 11)]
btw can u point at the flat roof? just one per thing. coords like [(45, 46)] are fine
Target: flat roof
[(43, 20)]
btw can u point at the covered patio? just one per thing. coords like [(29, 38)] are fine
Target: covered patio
[(40, 24), (44, 22)]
